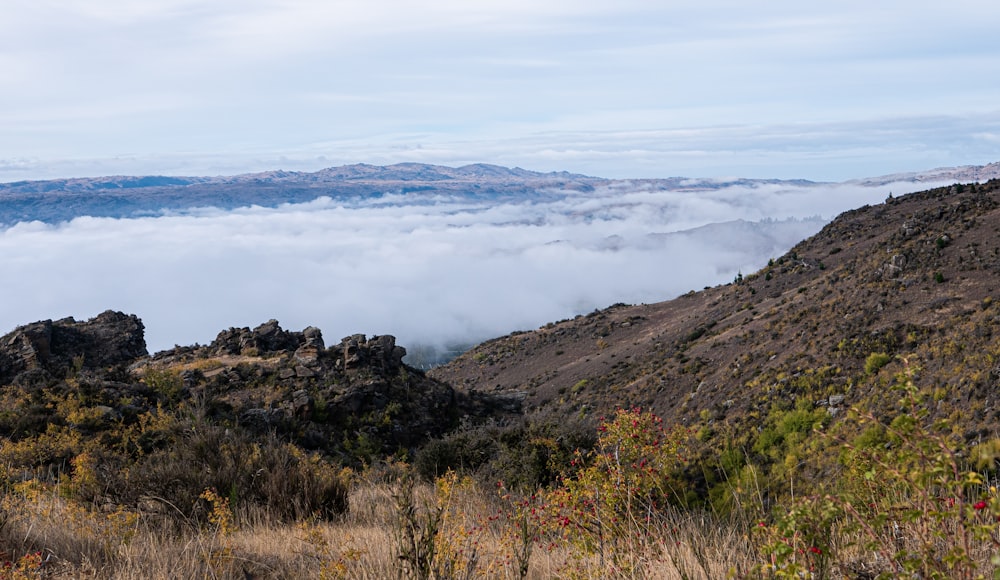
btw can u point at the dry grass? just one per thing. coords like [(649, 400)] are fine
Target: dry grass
[(86, 543), (80, 542)]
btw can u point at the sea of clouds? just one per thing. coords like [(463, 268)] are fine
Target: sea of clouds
[(431, 271)]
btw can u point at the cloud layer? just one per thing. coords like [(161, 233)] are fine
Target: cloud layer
[(431, 273)]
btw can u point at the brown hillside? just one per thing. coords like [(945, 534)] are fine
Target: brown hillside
[(913, 276)]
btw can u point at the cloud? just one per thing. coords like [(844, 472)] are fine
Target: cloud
[(448, 271), (696, 88)]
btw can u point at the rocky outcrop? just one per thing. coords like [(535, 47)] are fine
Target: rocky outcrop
[(53, 348), (308, 347), (355, 399), (356, 350), (266, 338)]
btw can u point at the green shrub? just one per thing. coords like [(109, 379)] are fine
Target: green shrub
[(524, 455), (876, 361), (908, 504), (166, 382)]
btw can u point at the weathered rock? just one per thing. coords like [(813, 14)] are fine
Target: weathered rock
[(384, 349), (307, 354), (264, 339), (894, 267), (381, 350), (256, 419), (108, 339), (313, 337), (302, 404), (270, 337), (351, 347)]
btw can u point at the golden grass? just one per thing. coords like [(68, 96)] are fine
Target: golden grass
[(88, 542), (92, 543)]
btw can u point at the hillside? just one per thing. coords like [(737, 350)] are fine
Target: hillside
[(912, 277)]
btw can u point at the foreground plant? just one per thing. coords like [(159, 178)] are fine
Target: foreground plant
[(616, 502), (910, 504)]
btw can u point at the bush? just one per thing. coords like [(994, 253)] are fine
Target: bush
[(908, 505), (276, 477), (524, 455), (876, 361), (621, 489)]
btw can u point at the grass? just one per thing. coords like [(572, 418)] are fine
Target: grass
[(79, 541), (85, 543)]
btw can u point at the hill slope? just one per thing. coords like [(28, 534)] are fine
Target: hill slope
[(912, 277)]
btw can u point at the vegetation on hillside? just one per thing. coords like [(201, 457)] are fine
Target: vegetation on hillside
[(901, 498)]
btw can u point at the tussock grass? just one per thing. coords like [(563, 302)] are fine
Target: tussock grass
[(82, 541)]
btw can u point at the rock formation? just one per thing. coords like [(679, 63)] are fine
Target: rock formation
[(50, 348)]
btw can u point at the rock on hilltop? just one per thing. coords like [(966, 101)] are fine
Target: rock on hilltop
[(49, 349)]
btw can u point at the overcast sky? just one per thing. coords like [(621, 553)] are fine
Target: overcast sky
[(623, 88)]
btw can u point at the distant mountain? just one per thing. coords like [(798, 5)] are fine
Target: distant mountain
[(60, 200), (963, 174)]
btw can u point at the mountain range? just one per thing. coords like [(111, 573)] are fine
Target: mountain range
[(60, 200)]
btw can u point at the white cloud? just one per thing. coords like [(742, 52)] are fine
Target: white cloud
[(450, 271)]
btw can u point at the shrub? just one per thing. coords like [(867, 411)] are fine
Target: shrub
[(623, 486), (524, 455), (166, 382), (876, 361), (906, 495), (270, 475), (465, 451)]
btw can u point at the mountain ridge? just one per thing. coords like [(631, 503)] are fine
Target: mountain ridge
[(60, 200)]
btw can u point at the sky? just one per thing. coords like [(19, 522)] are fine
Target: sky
[(630, 88)]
